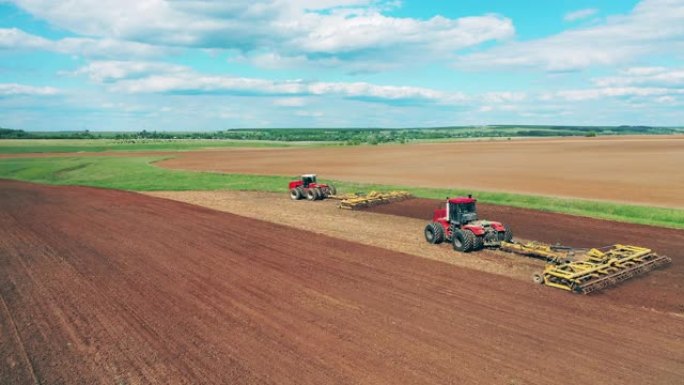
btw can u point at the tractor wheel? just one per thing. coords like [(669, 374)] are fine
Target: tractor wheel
[(478, 243), (333, 190), (295, 194), (311, 194), (462, 240), (319, 193), (434, 233), (506, 235)]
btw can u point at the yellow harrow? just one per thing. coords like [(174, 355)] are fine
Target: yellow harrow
[(554, 254), (361, 200), (600, 269)]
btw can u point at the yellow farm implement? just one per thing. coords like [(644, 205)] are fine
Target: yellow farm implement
[(588, 270), (554, 254), (361, 200), (599, 269)]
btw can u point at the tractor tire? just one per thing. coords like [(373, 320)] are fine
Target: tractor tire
[(506, 235), (311, 194), (462, 240), (295, 194), (478, 243), (332, 189), (320, 194), (434, 233)]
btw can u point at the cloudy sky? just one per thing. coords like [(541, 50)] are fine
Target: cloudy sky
[(208, 65)]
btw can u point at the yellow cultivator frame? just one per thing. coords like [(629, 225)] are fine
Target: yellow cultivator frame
[(600, 269), (359, 200)]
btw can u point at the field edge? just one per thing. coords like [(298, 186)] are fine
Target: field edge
[(141, 174)]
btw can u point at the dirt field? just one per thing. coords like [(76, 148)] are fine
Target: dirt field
[(403, 235), (643, 170), (662, 290), (101, 286)]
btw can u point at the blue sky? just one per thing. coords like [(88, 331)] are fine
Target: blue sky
[(210, 65)]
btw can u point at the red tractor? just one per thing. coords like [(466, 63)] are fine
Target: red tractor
[(458, 224), (308, 188)]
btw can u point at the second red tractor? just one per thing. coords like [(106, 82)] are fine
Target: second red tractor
[(458, 223), (309, 188)]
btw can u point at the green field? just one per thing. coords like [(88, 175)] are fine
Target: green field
[(23, 146), (140, 174)]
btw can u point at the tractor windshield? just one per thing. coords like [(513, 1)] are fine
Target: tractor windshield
[(467, 208), (463, 212), (308, 179)]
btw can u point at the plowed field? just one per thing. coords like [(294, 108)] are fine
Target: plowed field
[(644, 170), (102, 286), (664, 289)]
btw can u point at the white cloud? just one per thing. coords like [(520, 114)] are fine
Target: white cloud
[(290, 102), (13, 38), (580, 14), (503, 96), (645, 76), (107, 71), (14, 89), (600, 93), (330, 31), (16, 39), (197, 83), (653, 27), (155, 77)]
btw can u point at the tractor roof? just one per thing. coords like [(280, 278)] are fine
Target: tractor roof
[(308, 175), (462, 200)]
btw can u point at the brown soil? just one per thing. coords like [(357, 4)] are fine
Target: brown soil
[(643, 170), (103, 286), (404, 235), (660, 289)]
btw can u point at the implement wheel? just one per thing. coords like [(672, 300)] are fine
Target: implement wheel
[(434, 233), (538, 279), (462, 240)]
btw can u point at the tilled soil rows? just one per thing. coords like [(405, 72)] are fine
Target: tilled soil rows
[(663, 289), (100, 286)]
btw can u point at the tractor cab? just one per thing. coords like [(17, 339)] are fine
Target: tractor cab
[(308, 179), (461, 210)]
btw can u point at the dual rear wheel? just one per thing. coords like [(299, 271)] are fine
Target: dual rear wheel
[(296, 194), (463, 240), (313, 194), (434, 233)]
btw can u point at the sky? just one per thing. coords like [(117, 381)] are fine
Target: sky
[(194, 65)]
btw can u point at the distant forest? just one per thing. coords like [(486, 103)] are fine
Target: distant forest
[(353, 136)]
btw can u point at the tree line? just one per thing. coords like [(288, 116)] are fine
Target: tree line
[(349, 136)]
